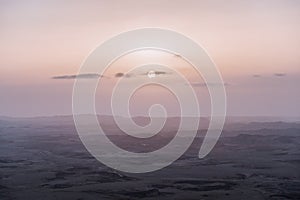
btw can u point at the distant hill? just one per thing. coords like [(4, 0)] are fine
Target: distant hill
[(231, 124)]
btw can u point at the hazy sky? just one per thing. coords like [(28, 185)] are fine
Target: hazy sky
[(255, 44)]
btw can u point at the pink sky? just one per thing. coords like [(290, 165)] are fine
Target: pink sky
[(255, 44)]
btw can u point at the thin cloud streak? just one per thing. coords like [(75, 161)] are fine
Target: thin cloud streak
[(200, 84), (79, 76), (131, 75), (157, 73), (279, 74), (256, 76)]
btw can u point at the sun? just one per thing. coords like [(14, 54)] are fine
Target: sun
[(151, 74)]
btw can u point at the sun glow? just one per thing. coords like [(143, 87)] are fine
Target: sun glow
[(151, 74)]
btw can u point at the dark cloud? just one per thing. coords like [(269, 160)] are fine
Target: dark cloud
[(279, 74), (78, 76), (120, 74), (160, 73)]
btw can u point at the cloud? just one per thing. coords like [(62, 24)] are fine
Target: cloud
[(275, 74), (156, 73), (160, 73), (200, 84), (279, 74), (131, 75), (120, 74), (79, 76), (256, 75)]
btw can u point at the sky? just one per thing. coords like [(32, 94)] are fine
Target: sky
[(255, 44)]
